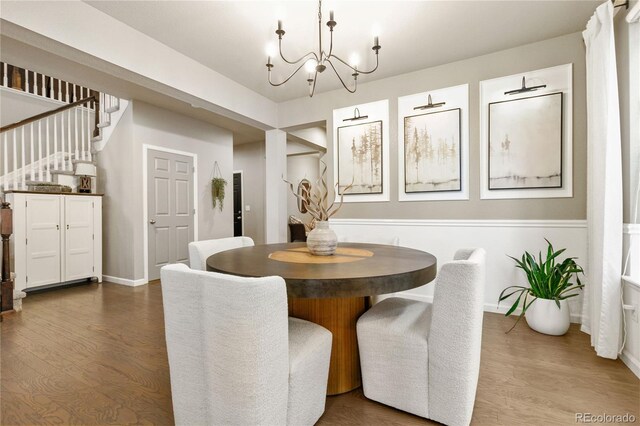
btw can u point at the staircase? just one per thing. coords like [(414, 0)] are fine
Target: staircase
[(57, 146)]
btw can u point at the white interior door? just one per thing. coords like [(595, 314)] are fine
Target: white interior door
[(170, 209), (43, 240), (78, 239)]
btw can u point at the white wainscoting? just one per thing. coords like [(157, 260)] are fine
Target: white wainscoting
[(498, 237)]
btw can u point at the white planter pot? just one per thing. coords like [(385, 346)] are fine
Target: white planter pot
[(322, 241), (544, 317)]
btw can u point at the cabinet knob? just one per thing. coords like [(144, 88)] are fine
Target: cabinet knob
[(152, 221)]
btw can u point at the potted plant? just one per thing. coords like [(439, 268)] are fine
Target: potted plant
[(544, 302)]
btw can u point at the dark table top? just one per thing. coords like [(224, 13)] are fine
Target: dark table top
[(355, 270)]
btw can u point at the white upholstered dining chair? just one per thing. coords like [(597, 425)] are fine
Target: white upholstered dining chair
[(199, 251), (234, 355), (424, 358)]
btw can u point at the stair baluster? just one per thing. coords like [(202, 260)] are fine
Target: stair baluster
[(68, 140), (48, 166), (22, 150), (40, 169), (5, 77), (15, 160), (32, 152), (5, 160), (55, 141)]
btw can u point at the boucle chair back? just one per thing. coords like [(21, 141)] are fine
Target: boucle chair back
[(455, 337), (227, 342), (199, 251)]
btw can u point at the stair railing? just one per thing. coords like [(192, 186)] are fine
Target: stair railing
[(57, 125)]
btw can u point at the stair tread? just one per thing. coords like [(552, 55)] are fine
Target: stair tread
[(63, 172), (83, 161)]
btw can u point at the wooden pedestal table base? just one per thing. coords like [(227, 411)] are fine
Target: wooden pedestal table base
[(339, 316)]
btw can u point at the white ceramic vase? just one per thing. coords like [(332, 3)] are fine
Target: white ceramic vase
[(322, 241), (544, 317)]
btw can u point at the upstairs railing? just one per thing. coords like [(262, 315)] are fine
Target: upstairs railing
[(38, 147), (46, 143), (39, 84)]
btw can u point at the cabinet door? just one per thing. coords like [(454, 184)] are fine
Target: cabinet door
[(78, 240), (43, 240)]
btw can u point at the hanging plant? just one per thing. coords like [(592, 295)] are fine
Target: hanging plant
[(217, 187)]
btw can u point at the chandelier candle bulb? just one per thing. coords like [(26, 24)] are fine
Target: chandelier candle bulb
[(331, 15), (279, 25), (376, 41)]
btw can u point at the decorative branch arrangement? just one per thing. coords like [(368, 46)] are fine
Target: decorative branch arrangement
[(315, 196)]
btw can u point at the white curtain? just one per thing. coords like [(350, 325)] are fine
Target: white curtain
[(601, 314)]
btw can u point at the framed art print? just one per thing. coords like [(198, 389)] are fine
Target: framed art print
[(432, 155), (360, 152), (433, 145), (525, 143), (360, 158), (526, 135)]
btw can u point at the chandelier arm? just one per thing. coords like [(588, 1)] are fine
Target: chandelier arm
[(341, 80), (288, 78), (355, 69), (305, 56)]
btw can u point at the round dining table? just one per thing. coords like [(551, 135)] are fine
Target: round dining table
[(333, 291)]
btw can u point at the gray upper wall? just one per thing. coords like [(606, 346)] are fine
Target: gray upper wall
[(548, 53)]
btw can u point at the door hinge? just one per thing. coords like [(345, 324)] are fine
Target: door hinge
[(93, 236), (194, 211), (26, 203), (93, 269), (26, 279), (193, 169), (93, 205), (26, 241)]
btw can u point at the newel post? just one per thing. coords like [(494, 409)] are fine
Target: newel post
[(6, 287)]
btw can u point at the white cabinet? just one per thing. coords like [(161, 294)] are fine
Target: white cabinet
[(56, 239)]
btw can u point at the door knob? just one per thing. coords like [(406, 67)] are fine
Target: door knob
[(152, 221)]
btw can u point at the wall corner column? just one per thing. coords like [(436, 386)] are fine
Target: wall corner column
[(275, 188)]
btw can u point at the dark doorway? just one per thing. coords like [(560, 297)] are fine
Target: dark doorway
[(237, 204)]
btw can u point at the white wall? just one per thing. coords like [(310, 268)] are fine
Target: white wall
[(250, 159), (121, 170)]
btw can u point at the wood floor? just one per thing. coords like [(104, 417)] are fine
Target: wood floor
[(96, 354)]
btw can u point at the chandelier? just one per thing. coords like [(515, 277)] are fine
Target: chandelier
[(317, 62)]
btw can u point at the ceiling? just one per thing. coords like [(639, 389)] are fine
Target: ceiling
[(231, 37)]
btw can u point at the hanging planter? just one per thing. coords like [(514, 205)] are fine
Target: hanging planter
[(217, 187)]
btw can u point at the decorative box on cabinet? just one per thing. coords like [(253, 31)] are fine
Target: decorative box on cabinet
[(57, 238)]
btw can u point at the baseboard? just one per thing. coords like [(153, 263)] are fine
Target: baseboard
[(123, 281), (631, 362)]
